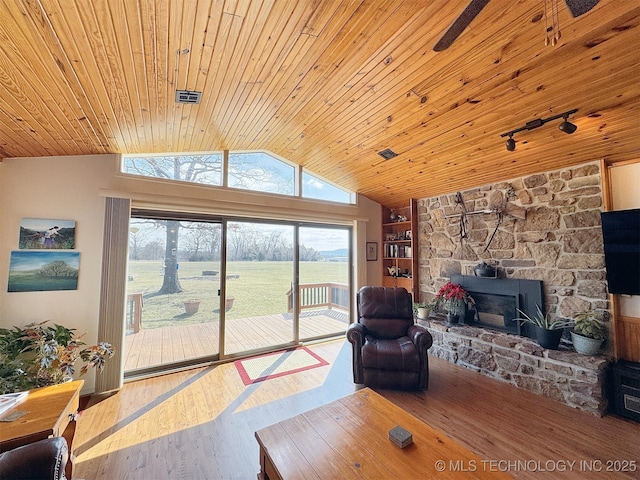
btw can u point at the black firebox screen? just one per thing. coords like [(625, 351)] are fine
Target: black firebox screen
[(497, 311), (499, 300)]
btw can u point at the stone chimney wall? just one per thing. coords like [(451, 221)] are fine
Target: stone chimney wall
[(559, 240)]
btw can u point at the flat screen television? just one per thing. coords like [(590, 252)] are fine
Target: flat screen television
[(621, 235)]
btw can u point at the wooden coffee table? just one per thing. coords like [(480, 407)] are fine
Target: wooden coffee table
[(51, 411), (349, 438)]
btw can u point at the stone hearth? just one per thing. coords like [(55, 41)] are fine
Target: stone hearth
[(563, 375)]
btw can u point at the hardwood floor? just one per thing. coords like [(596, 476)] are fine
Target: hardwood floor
[(200, 424)]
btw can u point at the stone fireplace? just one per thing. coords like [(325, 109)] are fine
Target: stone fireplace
[(495, 344), (557, 246)]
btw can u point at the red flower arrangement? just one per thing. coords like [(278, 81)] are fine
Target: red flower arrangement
[(452, 293)]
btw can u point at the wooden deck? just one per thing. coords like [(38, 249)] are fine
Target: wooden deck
[(159, 346)]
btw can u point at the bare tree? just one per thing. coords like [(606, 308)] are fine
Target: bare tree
[(203, 239), (152, 251), (137, 239), (236, 240), (205, 169), (171, 281), (247, 171)]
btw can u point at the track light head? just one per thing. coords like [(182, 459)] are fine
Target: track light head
[(566, 126), (511, 144)]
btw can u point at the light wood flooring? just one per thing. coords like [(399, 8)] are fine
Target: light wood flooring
[(200, 424), (176, 343)]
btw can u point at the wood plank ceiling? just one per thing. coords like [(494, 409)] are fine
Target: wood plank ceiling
[(326, 84)]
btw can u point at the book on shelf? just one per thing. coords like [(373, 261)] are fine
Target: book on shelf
[(397, 251), (10, 400)]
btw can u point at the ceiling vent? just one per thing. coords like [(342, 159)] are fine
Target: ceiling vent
[(186, 96), (387, 154)]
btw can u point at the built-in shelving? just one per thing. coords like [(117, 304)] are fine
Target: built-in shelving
[(400, 247)]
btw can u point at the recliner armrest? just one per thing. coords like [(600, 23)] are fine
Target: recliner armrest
[(43, 460), (355, 334), (420, 337)]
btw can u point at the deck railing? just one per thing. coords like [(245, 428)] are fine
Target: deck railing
[(313, 295), (134, 312)]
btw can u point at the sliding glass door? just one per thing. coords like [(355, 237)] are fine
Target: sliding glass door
[(259, 274), (173, 308), (324, 292), (200, 289)]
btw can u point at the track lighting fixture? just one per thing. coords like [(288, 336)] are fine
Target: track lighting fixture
[(565, 126)]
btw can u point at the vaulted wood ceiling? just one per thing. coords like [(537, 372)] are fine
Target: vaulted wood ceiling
[(326, 84)]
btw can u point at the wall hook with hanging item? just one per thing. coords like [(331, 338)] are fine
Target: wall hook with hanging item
[(500, 216), (500, 210), (463, 217), (503, 208)]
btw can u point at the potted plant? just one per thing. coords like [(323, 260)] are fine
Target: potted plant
[(228, 304), (588, 333), (453, 299), (548, 333), (38, 355), (191, 306), (422, 309)]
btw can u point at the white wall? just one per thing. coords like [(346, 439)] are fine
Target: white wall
[(63, 188), (74, 188), (373, 226), (625, 189)]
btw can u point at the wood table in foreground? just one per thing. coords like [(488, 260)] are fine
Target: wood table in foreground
[(349, 438), (51, 411)]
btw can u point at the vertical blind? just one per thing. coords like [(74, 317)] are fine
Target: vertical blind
[(113, 289)]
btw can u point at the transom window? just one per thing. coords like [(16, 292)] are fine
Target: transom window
[(257, 171), (197, 168), (260, 172), (315, 187)]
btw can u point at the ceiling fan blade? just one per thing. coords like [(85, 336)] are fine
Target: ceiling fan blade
[(580, 7), (460, 23)]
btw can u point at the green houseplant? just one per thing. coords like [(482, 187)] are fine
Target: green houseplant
[(548, 333), (588, 333), (38, 355)]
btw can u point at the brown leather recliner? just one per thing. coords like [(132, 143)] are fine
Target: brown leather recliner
[(389, 350), (42, 460)]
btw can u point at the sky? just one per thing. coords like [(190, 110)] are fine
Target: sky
[(313, 188), (324, 239)]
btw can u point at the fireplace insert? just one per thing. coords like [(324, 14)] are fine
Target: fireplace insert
[(498, 301)]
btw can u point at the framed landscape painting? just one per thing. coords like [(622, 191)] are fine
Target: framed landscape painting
[(31, 271), (49, 234)]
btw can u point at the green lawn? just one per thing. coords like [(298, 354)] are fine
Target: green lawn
[(259, 289)]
